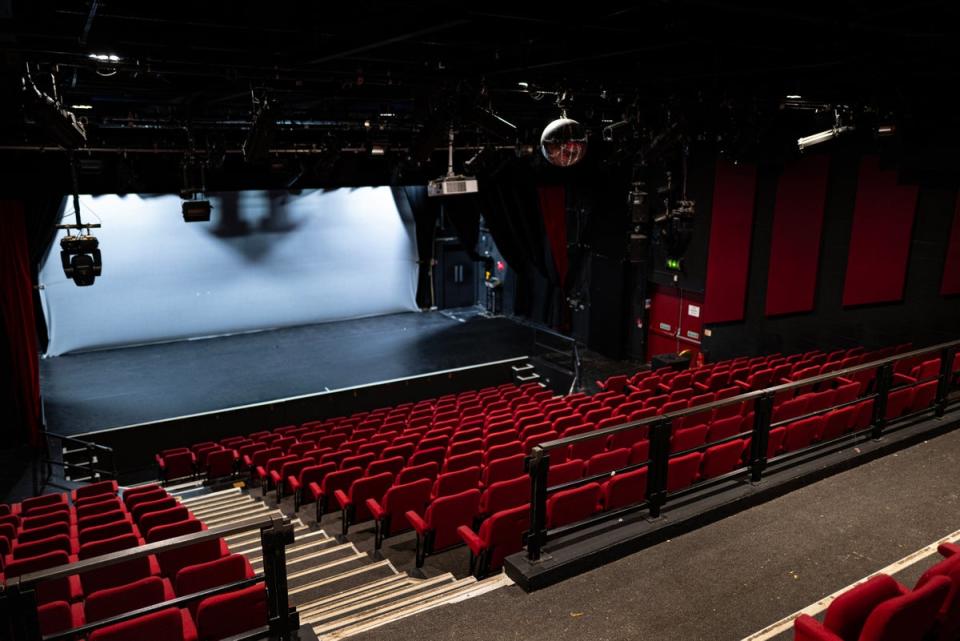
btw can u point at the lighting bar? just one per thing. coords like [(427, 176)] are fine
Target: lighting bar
[(823, 136)]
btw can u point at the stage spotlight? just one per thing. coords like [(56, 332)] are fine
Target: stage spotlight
[(80, 256), (823, 136)]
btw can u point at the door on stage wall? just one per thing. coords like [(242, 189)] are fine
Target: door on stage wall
[(675, 322), (458, 287)]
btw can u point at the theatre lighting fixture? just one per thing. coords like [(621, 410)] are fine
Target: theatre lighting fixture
[(80, 254), (839, 127), (452, 184), (58, 123), (104, 57), (195, 207), (106, 63)]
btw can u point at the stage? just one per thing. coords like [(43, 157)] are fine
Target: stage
[(93, 391)]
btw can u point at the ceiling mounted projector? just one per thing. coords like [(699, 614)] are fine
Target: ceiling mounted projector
[(452, 184), (564, 142)]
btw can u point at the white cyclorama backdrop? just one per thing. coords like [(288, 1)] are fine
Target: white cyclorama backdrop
[(265, 260)]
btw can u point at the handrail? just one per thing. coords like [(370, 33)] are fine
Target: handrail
[(740, 398), (73, 439), (661, 427), (105, 560)]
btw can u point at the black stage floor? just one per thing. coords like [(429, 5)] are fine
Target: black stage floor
[(112, 388)]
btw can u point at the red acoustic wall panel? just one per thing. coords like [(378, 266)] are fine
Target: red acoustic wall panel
[(795, 245), (880, 238), (951, 268), (731, 226)]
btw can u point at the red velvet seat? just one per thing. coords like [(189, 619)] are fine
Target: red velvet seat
[(390, 512), (171, 624), (225, 615), (437, 529), (724, 428), (504, 495), (101, 488), (212, 574), (565, 472), (412, 473), (118, 573), (324, 492), (801, 434), (266, 474), (682, 471), (502, 451), (310, 476), (109, 530), (141, 509), (110, 602), (607, 462), (104, 503), (43, 532), (431, 455), (56, 616), (220, 464), (624, 489), (280, 478), (838, 422), (721, 459), (500, 536), (176, 465), (456, 482), (41, 546), (899, 402), (688, 438), (136, 496), (65, 589), (570, 506), (924, 395), (353, 502), (171, 561), (502, 469), (393, 465)]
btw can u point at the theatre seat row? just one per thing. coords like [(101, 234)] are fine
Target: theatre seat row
[(98, 522), (881, 609)]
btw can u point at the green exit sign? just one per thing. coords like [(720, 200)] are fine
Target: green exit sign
[(674, 264)]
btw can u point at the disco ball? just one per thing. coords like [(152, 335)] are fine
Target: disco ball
[(564, 142)]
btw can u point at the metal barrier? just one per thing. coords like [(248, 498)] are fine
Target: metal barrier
[(19, 600), (660, 429), (97, 461)]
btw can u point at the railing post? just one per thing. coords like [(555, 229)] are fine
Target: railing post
[(274, 540), (538, 465), (659, 462), (884, 383), (762, 418), (90, 460), (947, 354), (22, 606)]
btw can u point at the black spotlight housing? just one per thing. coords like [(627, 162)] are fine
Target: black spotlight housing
[(80, 256), (196, 211)]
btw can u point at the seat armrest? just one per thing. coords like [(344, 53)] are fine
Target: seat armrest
[(806, 628), (375, 509), (948, 549), (247, 460), (294, 483), (474, 542), (342, 498), (417, 522), (315, 490), (261, 472), (275, 477)]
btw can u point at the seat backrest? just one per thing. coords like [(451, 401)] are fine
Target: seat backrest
[(316, 473), (447, 513), (456, 482), (152, 506), (401, 498), (42, 546), (226, 615), (949, 628), (368, 487), (682, 471), (109, 602), (909, 617), (107, 530), (95, 489), (204, 576), (165, 624), (720, 459), (849, 611), (565, 472), (570, 506), (504, 495), (625, 489), (262, 456), (393, 465), (503, 469), (607, 461), (162, 517), (340, 480)]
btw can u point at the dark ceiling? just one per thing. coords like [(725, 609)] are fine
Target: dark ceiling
[(353, 75)]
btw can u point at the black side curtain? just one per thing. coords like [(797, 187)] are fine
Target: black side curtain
[(412, 201)]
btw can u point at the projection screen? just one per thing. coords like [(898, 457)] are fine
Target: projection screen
[(265, 260)]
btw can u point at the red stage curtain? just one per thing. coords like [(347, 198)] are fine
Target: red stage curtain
[(880, 240), (16, 306), (553, 207), (951, 268), (731, 228), (795, 246)]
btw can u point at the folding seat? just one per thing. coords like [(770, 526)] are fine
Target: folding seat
[(466, 434), (117, 528), (682, 471), (336, 457), (565, 472), (176, 464), (536, 421), (899, 402), (437, 528), (232, 442), (56, 616), (353, 502), (140, 509), (500, 536), (864, 417), (393, 465), (433, 442), (227, 615), (406, 451), (462, 461), (502, 451), (569, 506), (801, 434), (688, 438), (733, 409), (300, 448), (245, 454), (172, 561), (161, 517), (537, 439), (118, 573), (65, 589), (358, 460), (724, 428), (500, 438), (104, 503), (790, 409), (714, 382), (504, 495), (456, 482), (134, 495), (263, 434), (171, 624), (656, 401), (465, 447), (607, 462), (879, 609), (333, 441), (837, 423), (309, 476), (412, 473), (948, 619), (923, 397), (684, 394), (639, 452), (389, 512), (101, 488), (502, 469), (624, 489), (613, 383), (30, 549), (821, 401), (26, 536), (624, 409), (202, 451), (626, 438), (846, 391), (925, 371), (111, 602), (259, 459), (672, 406), (721, 459), (219, 464), (639, 415), (324, 491)]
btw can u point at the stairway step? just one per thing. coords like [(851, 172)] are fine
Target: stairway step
[(412, 602), (349, 607), (244, 519), (211, 496), (526, 367), (232, 508), (338, 583), (370, 588), (527, 378), (303, 540), (320, 556), (323, 570)]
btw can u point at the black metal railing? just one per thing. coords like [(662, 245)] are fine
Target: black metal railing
[(562, 350), (19, 599), (96, 462), (660, 428)]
